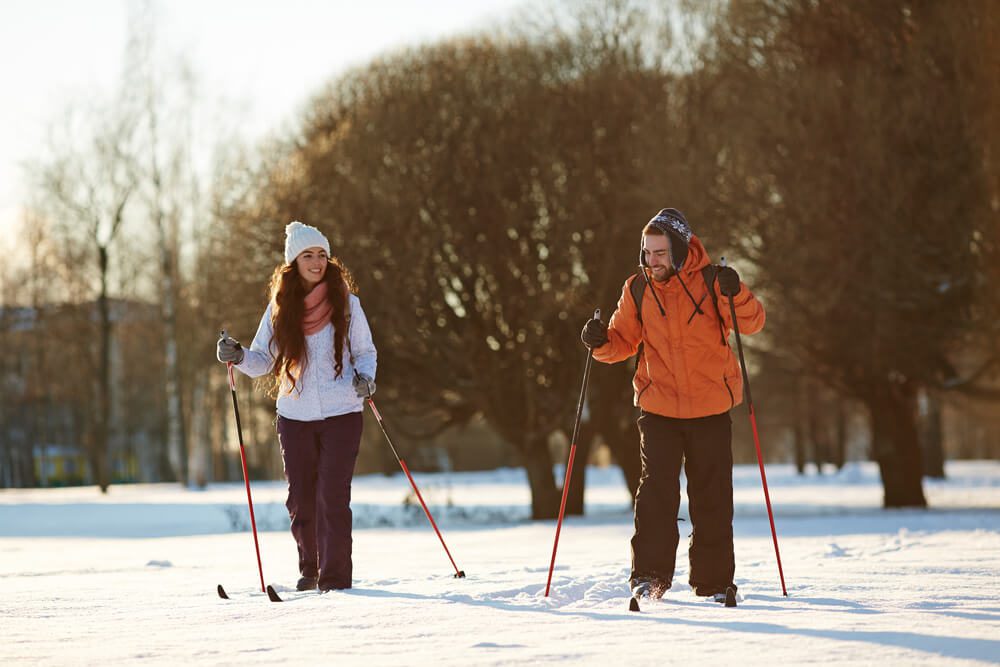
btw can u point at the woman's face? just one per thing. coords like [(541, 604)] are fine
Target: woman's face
[(311, 264)]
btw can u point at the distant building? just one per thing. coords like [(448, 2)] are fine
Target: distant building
[(48, 394)]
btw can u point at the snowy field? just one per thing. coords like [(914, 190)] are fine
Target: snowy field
[(130, 578)]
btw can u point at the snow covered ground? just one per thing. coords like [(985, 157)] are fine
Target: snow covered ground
[(130, 577)]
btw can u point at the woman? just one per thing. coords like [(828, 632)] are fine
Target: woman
[(314, 339)]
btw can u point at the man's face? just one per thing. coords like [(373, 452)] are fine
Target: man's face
[(656, 250)]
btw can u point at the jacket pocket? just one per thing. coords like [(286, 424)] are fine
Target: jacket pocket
[(732, 398), (637, 375), (638, 394)]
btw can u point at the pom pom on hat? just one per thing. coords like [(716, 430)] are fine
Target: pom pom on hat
[(299, 237)]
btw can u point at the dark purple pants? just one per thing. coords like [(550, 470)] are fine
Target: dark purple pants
[(319, 461)]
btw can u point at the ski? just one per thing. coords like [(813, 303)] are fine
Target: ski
[(272, 594), (728, 599)]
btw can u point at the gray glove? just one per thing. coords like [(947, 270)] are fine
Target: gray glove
[(229, 350), (364, 385)]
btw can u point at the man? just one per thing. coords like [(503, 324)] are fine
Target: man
[(687, 379)]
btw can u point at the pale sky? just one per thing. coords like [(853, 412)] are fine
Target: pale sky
[(266, 58)]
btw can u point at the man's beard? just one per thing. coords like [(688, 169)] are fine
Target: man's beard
[(663, 275)]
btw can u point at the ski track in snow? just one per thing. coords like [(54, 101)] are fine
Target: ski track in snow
[(126, 584)]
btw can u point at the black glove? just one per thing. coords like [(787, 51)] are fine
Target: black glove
[(594, 334), (229, 350), (729, 281)]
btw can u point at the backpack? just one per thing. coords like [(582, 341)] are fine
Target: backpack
[(637, 288)]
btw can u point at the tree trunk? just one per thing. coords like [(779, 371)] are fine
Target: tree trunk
[(578, 482), (224, 413), (813, 427), (101, 446), (895, 444), (199, 467), (6, 481), (5, 428), (840, 444), (932, 441), (176, 445), (798, 437), (538, 464), (28, 448)]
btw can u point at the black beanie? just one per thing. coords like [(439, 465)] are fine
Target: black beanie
[(672, 222)]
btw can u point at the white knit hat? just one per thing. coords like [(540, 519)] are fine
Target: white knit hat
[(298, 237)]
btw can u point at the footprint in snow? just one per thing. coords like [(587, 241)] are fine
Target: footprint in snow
[(834, 550)]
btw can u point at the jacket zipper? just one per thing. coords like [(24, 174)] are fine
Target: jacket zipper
[(732, 399)]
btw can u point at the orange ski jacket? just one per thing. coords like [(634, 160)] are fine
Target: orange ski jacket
[(686, 369)]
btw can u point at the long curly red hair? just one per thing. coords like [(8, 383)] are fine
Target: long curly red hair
[(287, 293)]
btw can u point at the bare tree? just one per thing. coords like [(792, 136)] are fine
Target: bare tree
[(170, 194), (85, 180)]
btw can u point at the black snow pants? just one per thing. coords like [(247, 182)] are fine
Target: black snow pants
[(705, 446)]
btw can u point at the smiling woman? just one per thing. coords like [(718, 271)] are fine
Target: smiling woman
[(314, 339)]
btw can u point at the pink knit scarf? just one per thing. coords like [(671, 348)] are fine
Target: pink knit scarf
[(317, 310)]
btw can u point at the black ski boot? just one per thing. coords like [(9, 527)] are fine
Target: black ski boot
[(648, 587), (307, 584), (728, 598)]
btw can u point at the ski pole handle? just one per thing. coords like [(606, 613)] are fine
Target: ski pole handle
[(357, 376), (229, 370)]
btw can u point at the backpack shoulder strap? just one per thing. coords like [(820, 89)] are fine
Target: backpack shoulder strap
[(709, 273), (637, 288)]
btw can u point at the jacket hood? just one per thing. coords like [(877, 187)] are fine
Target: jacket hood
[(697, 256)]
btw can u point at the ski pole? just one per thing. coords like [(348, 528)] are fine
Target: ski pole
[(572, 455), (459, 574), (243, 459), (756, 438)]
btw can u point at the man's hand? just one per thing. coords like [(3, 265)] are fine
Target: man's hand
[(594, 334), (729, 281)]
